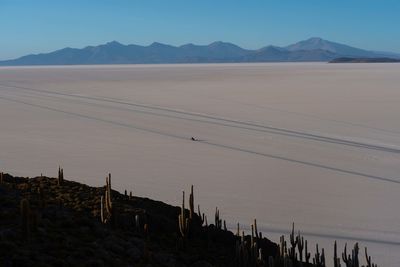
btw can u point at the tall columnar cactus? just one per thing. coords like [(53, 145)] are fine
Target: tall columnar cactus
[(300, 246), (191, 203), (252, 236), (319, 259), (307, 254), (346, 258), (293, 242), (25, 215), (368, 259), (60, 175), (108, 194), (336, 260), (199, 211), (217, 220), (183, 221), (253, 246), (1, 177), (282, 247), (255, 229), (106, 207), (351, 260), (102, 217), (355, 256), (201, 215)]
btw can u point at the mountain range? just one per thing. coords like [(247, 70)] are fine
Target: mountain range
[(313, 49)]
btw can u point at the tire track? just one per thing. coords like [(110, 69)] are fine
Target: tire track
[(233, 148), (224, 121)]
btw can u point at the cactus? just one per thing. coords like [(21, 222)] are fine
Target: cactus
[(355, 256), (25, 215), (368, 259), (260, 255), (282, 246), (218, 221), (183, 221), (307, 254), (253, 245), (106, 207), (351, 260), (319, 259), (345, 258), (300, 246), (130, 195), (60, 175), (1, 177), (336, 260), (255, 229), (102, 218), (191, 203), (108, 194), (252, 235), (293, 242), (201, 215)]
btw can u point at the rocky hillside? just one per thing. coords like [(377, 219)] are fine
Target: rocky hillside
[(55, 222), (45, 222)]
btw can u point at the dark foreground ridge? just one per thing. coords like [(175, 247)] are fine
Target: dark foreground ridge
[(54, 222)]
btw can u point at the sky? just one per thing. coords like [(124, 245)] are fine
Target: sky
[(38, 26)]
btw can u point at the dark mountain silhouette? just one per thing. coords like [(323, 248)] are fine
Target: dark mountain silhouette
[(365, 60), (313, 49)]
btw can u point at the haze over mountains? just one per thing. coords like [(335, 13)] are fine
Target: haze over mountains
[(313, 49)]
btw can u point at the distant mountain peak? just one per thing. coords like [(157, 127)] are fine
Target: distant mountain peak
[(217, 43), (222, 44), (317, 43), (114, 43), (315, 39), (311, 44), (157, 44)]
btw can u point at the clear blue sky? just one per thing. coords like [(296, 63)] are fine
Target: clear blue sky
[(41, 26)]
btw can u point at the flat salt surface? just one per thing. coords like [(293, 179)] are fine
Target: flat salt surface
[(312, 143)]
